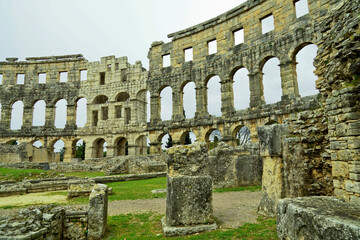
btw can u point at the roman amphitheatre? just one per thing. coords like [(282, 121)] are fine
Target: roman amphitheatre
[(302, 150)]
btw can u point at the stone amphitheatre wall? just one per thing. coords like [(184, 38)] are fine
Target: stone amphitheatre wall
[(323, 137)]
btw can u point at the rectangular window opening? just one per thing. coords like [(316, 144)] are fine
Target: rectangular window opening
[(105, 113), (42, 78), (117, 111), (212, 47), (102, 78), (166, 60), (20, 78), (63, 77), (1, 78), (301, 8), (188, 54), (116, 66), (267, 24), (83, 75), (239, 36), (127, 115), (109, 67)]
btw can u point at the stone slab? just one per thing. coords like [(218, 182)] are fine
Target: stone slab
[(170, 231)]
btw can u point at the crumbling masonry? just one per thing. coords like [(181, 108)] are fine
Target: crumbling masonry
[(324, 130)]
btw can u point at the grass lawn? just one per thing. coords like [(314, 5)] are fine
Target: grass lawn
[(148, 226), (9, 174)]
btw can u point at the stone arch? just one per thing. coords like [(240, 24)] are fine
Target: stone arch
[(60, 113), (122, 97), (303, 57), (210, 133), (188, 98), (186, 134), (271, 79), (241, 135), (213, 95), (241, 87), (37, 143), (81, 111), (13, 142), (78, 148), (166, 102), (141, 145), (98, 148), (17, 112), (101, 99), (39, 111), (121, 146), (57, 150)]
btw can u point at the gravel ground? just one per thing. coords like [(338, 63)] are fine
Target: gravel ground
[(233, 209)]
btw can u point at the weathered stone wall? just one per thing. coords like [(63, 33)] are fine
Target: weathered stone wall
[(25, 152), (57, 223), (235, 166)]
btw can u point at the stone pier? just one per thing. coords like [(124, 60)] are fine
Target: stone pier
[(189, 191)]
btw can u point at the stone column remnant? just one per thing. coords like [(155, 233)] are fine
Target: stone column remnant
[(97, 215), (189, 191)]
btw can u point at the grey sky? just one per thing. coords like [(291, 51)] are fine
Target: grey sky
[(121, 28)]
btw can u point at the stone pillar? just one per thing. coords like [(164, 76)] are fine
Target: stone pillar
[(256, 89), (5, 117), (271, 151), (289, 84), (68, 150), (155, 147), (177, 106), (111, 151), (50, 116), (71, 116), (131, 149), (227, 97), (97, 214), (189, 191), (155, 109), (27, 117), (201, 102)]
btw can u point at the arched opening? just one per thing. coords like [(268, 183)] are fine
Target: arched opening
[(213, 137), (142, 113), (79, 148), (38, 144), (166, 141), (81, 112), (123, 97), (17, 115), (166, 103), (188, 138), (122, 147), (241, 89), (142, 145), (39, 113), (214, 96), (305, 70), (59, 150), (60, 113), (101, 99), (99, 148), (272, 81), (242, 135), (13, 142), (189, 100)]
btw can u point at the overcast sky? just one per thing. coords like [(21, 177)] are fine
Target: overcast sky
[(122, 28)]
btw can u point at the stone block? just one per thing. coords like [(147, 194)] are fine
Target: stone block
[(340, 169), (317, 218), (270, 139), (97, 215)]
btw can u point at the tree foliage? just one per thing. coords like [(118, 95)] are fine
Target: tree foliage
[(80, 151), (169, 142), (243, 136)]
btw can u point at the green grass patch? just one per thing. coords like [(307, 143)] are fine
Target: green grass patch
[(84, 174), (10, 174), (148, 226), (238, 189)]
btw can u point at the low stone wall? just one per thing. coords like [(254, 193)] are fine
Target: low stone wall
[(235, 166), (56, 184), (57, 223), (317, 218), (115, 165)]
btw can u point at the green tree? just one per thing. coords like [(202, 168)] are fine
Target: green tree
[(62, 153), (169, 142), (80, 151)]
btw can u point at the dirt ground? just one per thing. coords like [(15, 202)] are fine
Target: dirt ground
[(233, 209)]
